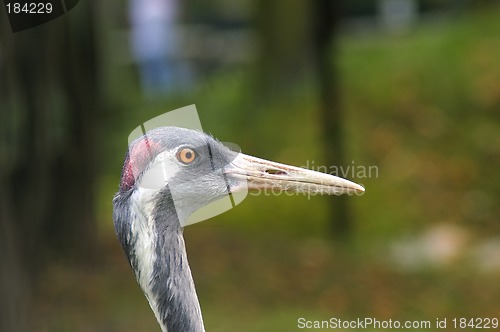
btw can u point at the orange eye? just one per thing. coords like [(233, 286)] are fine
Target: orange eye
[(186, 155)]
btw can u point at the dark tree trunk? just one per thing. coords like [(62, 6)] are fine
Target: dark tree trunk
[(284, 46), (49, 120), (13, 299), (326, 21)]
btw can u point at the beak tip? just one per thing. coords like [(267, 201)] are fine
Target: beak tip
[(353, 188)]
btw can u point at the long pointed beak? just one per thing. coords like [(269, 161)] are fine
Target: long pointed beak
[(261, 174)]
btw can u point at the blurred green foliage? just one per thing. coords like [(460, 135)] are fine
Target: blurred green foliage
[(428, 110)]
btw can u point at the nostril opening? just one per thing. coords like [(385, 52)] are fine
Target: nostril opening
[(276, 172)]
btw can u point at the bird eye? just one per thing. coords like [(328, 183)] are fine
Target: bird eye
[(186, 155)]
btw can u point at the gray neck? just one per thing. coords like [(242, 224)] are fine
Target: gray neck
[(176, 304), (157, 253)]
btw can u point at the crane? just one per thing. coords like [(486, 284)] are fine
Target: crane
[(149, 217)]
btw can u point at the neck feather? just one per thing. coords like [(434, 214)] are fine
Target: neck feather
[(156, 250), (172, 286)]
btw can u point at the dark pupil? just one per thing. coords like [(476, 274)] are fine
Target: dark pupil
[(188, 155)]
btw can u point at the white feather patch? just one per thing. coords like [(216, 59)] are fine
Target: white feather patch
[(145, 245)]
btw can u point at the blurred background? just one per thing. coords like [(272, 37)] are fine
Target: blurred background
[(410, 88)]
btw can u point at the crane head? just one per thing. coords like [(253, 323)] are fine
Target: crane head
[(195, 170)]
